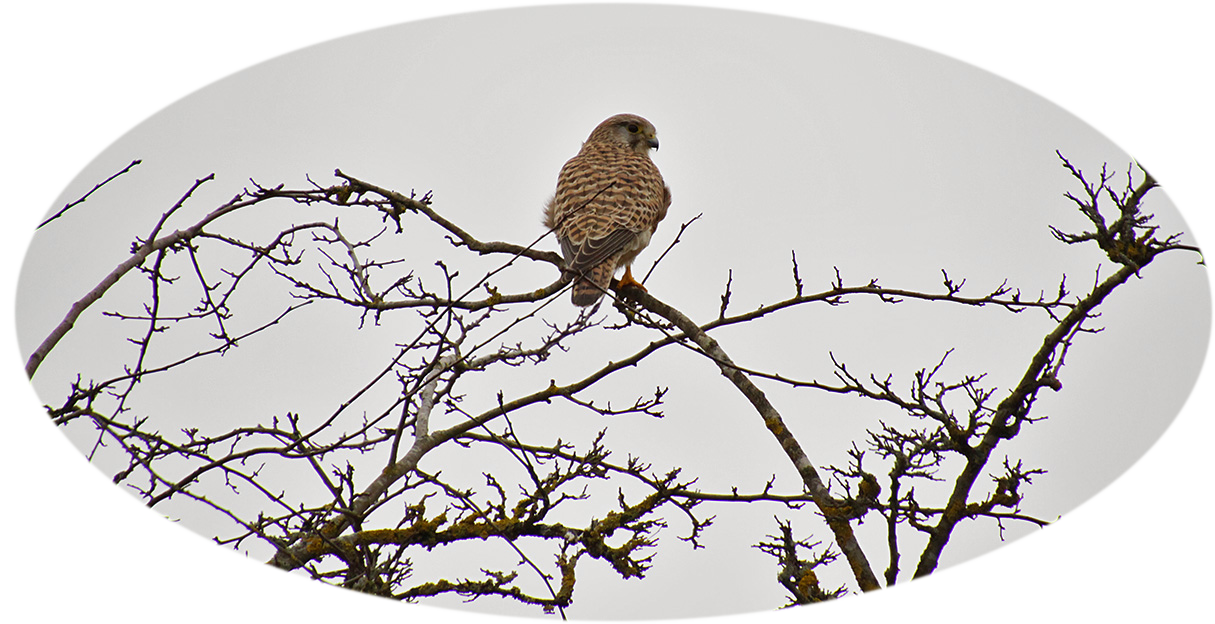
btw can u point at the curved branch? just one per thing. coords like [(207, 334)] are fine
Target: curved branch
[(1005, 420), (845, 538)]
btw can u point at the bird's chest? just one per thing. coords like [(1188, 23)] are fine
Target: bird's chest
[(624, 188)]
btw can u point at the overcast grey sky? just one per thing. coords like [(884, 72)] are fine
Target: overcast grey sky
[(858, 152)]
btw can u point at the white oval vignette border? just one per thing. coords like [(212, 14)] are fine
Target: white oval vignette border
[(89, 73)]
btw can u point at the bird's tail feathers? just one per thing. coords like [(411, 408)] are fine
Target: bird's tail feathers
[(589, 287)]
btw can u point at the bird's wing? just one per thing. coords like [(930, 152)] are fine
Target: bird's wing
[(593, 251)]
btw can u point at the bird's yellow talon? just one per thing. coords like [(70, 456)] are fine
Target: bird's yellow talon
[(628, 281)]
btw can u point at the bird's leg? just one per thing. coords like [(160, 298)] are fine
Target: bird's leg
[(627, 280)]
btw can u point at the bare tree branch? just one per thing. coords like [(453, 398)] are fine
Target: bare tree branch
[(360, 506)]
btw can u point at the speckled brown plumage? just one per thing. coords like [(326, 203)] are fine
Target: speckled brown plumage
[(609, 200)]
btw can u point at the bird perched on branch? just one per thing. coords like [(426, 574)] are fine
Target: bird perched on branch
[(609, 200)]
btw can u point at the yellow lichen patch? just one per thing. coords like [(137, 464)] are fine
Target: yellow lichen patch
[(422, 531), (1121, 250), (807, 581), (836, 509)]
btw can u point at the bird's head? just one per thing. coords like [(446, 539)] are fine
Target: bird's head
[(630, 131)]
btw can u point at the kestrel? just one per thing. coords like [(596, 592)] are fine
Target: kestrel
[(609, 200)]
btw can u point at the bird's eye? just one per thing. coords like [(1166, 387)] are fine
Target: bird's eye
[(633, 128)]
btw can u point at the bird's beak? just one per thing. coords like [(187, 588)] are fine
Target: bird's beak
[(653, 142)]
